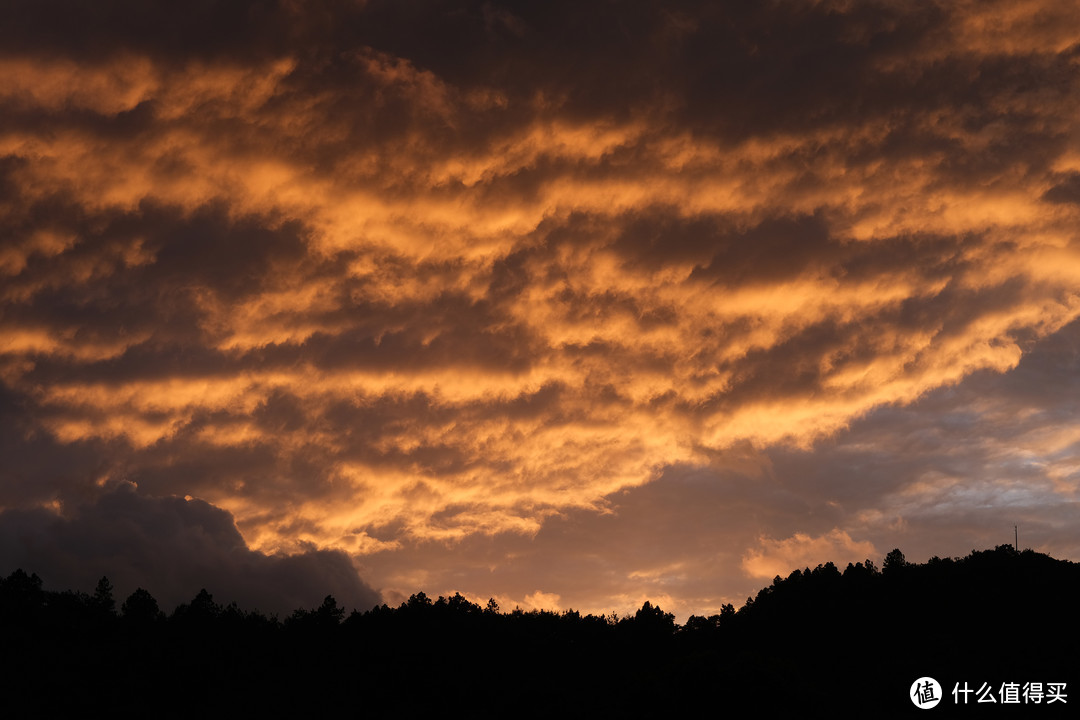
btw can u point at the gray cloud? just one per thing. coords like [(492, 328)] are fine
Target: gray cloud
[(172, 547)]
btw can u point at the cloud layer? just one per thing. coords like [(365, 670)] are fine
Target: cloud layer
[(169, 546), (378, 277)]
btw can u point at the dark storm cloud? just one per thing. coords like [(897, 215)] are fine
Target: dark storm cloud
[(172, 547)]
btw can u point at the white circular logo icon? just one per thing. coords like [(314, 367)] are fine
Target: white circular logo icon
[(925, 693)]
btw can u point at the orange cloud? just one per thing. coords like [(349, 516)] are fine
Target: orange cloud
[(396, 300), (780, 557)]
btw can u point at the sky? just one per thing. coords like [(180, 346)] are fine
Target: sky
[(566, 304)]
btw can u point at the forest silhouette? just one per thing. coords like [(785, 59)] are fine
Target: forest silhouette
[(847, 643)]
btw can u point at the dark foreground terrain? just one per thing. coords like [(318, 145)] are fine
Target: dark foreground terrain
[(821, 642)]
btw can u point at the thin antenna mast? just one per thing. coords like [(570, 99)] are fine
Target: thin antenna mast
[(1016, 539)]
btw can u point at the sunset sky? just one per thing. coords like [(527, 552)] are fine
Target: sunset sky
[(569, 304)]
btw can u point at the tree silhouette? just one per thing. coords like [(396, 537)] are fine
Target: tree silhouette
[(201, 611), (21, 597), (418, 602), (893, 562), (102, 598), (804, 629), (651, 622), (327, 615), (140, 607)]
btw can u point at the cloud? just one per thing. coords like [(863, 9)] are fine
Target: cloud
[(172, 547), (376, 275), (542, 601), (780, 557), (959, 468)]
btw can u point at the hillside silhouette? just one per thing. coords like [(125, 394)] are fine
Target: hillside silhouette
[(846, 643)]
